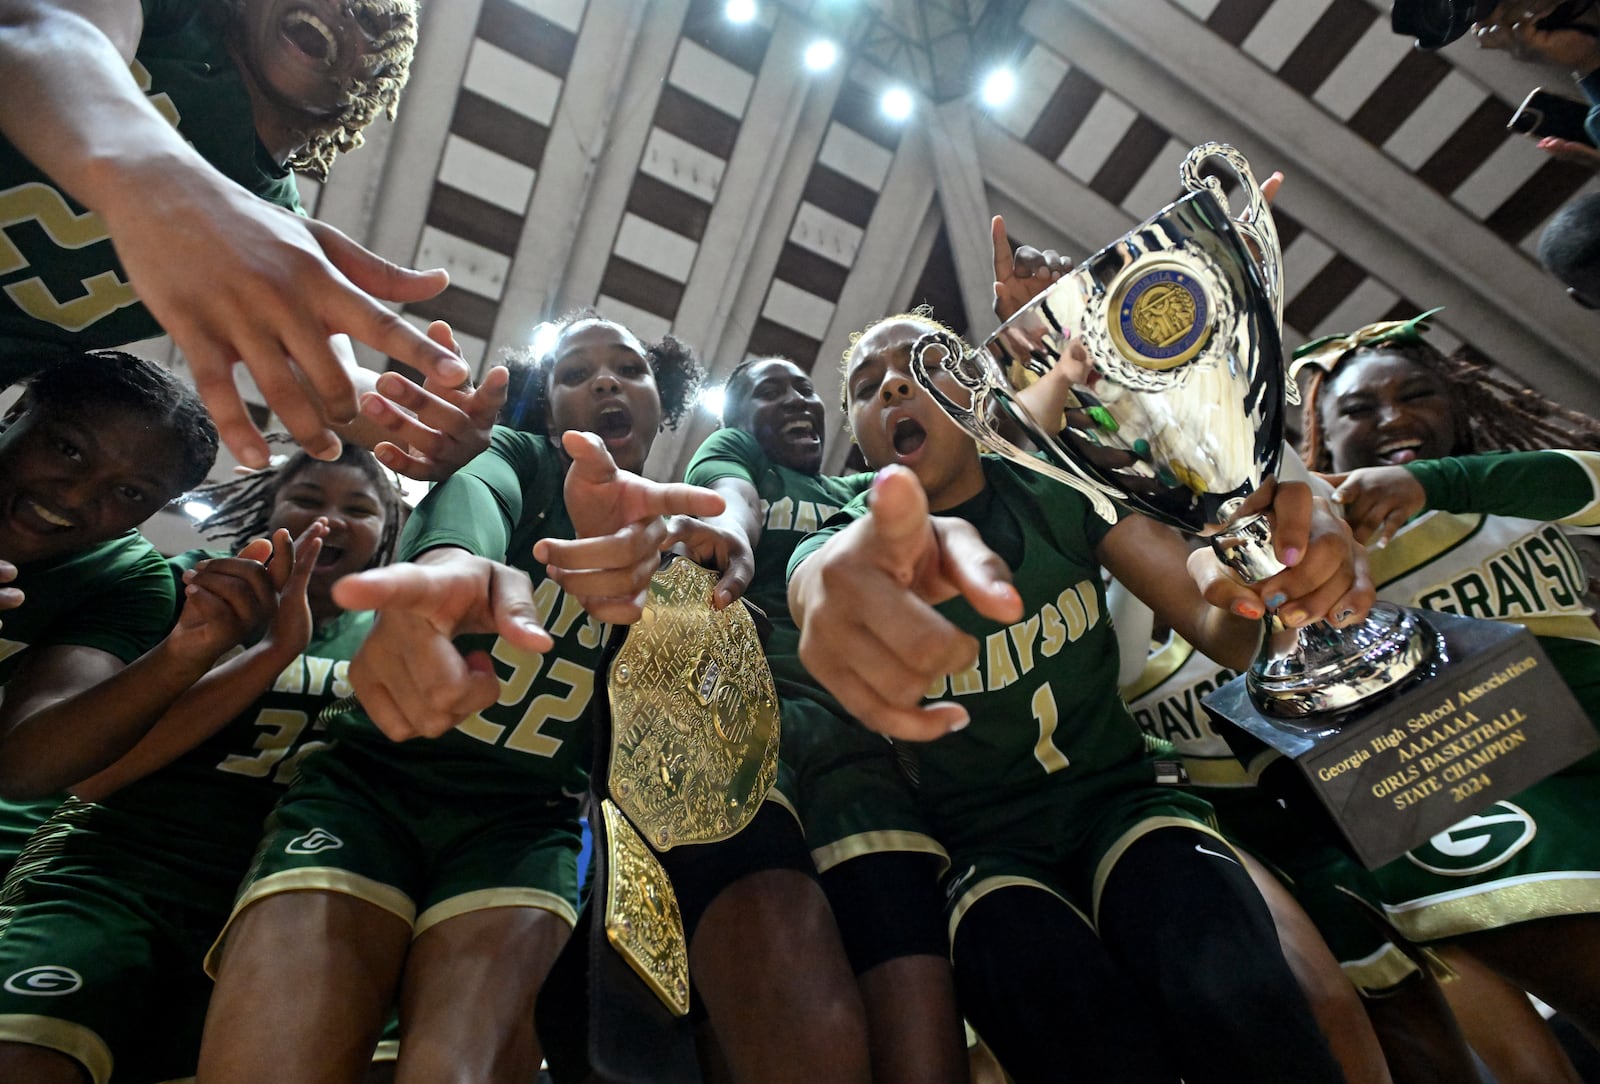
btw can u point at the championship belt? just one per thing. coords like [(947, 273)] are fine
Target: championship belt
[(694, 731), (642, 919)]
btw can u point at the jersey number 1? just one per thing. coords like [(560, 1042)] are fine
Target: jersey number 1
[(1044, 713)]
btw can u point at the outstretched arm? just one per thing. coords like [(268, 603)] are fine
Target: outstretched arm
[(410, 677), (1555, 486), (229, 276), (227, 689), (74, 710), (622, 525), (864, 603)]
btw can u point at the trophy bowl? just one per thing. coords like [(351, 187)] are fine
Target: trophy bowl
[(1167, 350)]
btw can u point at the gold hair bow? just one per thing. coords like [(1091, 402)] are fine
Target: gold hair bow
[(1326, 353)]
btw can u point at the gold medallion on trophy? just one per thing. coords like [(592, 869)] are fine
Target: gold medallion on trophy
[(694, 735), (1159, 315)]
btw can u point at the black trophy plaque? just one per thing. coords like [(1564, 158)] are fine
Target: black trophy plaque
[(1491, 719)]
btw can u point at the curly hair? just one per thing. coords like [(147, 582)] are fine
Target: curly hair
[(76, 384), (677, 372), (1492, 413), (244, 505), (922, 314), (375, 92)]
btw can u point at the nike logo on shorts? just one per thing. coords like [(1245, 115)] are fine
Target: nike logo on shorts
[(1216, 854)]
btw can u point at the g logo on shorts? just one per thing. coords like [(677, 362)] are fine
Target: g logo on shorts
[(1481, 842), (46, 980), (314, 842)]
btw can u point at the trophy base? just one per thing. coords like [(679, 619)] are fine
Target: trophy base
[(1492, 718), (1307, 673)]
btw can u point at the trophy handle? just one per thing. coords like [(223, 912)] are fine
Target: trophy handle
[(972, 371), (1255, 223)]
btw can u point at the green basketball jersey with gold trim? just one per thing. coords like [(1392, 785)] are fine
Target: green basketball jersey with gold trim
[(190, 828), (115, 597), (498, 506), (793, 504), (61, 283), (1046, 718)]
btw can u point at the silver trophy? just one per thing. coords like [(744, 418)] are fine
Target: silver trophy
[(1174, 356)]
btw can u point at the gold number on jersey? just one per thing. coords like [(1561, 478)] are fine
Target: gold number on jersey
[(104, 293), (528, 737), (1044, 713), (282, 728)]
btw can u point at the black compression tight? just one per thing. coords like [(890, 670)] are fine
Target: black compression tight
[(1185, 978), (1183, 918), (1041, 990)]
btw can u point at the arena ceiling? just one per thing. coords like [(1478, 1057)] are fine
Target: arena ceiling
[(681, 171)]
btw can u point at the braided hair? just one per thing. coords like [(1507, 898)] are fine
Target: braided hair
[(1492, 413), (244, 505), (677, 372), (75, 384), (386, 67)]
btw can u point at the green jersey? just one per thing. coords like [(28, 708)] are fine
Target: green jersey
[(497, 507), (192, 825), (793, 504), (115, 597), (1047, 723), (61, 284)]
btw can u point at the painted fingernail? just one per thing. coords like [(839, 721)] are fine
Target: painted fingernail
[(1248, 610), (1291, 556), (1294, 618), (1343, 615), (1276, 599), (962, 725)]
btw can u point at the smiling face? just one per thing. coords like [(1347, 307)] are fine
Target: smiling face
[(68, 483), (1382, 408), (348, 497), (773, 401), (301, 57), (601, 383), (895, 421)]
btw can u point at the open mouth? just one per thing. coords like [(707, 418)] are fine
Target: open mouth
[(330, 556), (908, 436), (49, 515), (313, 37), (1396, 452), (800, 429), (614, 423)]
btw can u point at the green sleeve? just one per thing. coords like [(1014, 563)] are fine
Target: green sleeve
[(836, 523), (1556, 487), (132, 614), (479, 506), (161, 16), (727, 453)]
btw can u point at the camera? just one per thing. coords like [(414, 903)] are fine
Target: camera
[(1437, 23)]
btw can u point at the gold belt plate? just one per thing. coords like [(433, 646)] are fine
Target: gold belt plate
[(694, 730), (643, 922)]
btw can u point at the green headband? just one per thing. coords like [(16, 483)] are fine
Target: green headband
[(1327, 352)]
